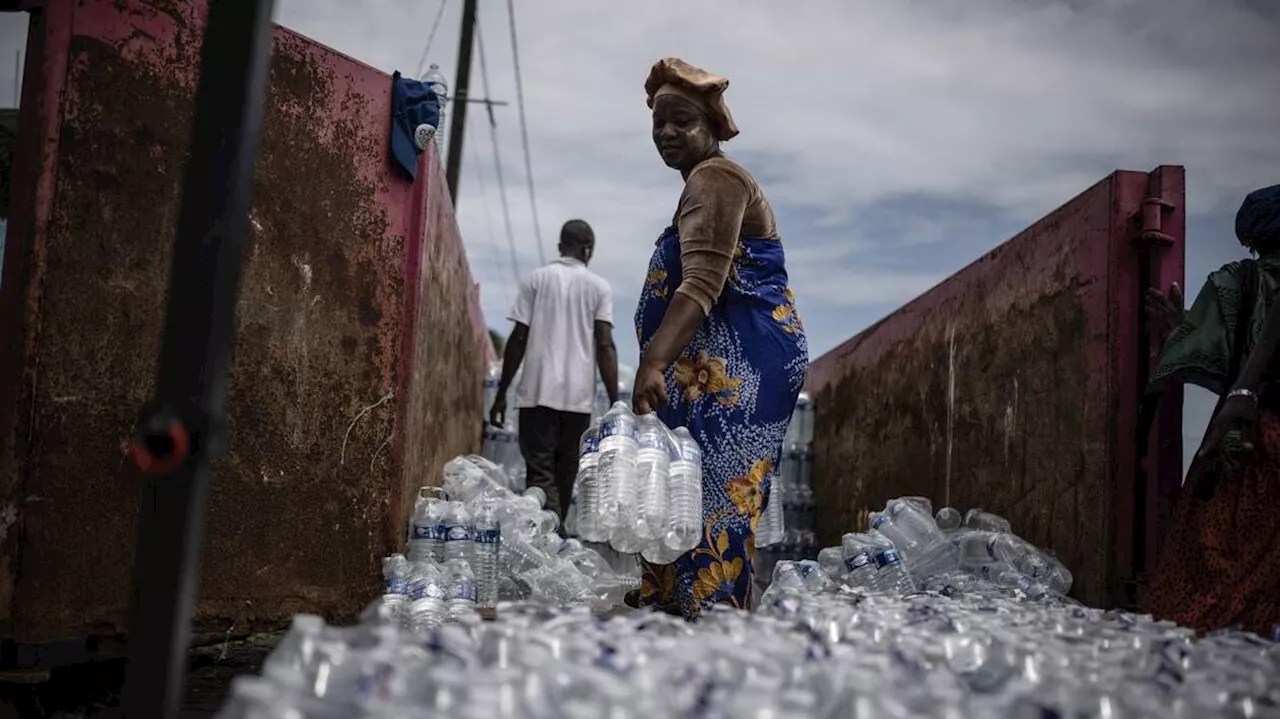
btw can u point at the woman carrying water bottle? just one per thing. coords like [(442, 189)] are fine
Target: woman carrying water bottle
[(723, 351)]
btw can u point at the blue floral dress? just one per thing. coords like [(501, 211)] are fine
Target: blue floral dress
[(734, 387)]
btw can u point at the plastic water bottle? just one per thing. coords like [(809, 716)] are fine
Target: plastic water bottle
[(617, 463), (859, 552), (395, 574), (891, 573), (908, 527), (460, 599), (1017, 581), (804, 410), (457, 533), (488, 541), (583, 517), (774, 519), (981, 519), (948, 519), (653, 463), (832, 561), (684, 494), (440, 87), (537, 494), (427, 542)]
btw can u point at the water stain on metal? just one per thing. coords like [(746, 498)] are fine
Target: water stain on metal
[(326, 224)]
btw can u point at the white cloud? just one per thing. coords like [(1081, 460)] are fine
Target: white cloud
[(1015, 105)]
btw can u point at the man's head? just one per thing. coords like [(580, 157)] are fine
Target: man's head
[(577, 240)]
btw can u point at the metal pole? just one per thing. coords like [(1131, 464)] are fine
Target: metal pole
[(181, 432), (462, 81)]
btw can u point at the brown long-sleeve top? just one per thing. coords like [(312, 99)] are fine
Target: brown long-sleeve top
[(721, 202)]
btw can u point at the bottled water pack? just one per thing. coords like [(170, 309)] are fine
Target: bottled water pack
[(638, 487)]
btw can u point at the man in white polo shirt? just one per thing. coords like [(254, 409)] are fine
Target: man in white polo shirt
[(563, 333)]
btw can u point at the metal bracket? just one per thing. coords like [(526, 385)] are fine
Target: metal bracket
[(1153, 211)]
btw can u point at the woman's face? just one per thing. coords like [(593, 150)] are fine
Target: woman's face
[(681, 132)]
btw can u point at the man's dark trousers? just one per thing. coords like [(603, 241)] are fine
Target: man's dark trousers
[(549, 443)]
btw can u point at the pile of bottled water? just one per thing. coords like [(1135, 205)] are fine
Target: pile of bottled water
[(827, 653), (473, 542), (502, 444), (786, 530), (909, 549), (639, 486)]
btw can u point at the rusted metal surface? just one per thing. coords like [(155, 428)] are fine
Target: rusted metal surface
[(1011, 386), (355, 278)]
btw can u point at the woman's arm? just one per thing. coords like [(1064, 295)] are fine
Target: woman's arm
[(1238, 412), (709, 221)]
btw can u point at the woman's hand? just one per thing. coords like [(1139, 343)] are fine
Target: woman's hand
[(649, 393), (1232, 432), (1165, 312)]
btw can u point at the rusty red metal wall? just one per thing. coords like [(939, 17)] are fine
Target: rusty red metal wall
[(360, 345), (1013, 386)]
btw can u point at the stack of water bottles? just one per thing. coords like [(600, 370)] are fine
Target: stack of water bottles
[(639, 486), (910, 549), (502, 444), (786, 531), (473, 543)]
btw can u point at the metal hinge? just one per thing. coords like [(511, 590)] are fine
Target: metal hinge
[(1153, 211)]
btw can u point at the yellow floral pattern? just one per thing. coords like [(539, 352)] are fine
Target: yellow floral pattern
[(746, 491), (705, 375), (656, 284), (786, 316), (717, 578)]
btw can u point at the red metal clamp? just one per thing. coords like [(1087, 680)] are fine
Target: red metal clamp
[(162, 452)]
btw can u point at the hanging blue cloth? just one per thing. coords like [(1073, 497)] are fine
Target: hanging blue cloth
[(413, 103), (735, 387)]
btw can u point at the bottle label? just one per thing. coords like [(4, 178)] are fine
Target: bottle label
[(463, 591), (1024, 583), (395, 585), (439, 532), (887, 558), (617, 427), (433, 590), (415, 589), (423, 531), (590, 443), (488, 536), (857, 561), (652, 440), (878, 521), (456, 533)]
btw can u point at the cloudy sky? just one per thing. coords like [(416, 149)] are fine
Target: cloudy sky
[(898, 140)]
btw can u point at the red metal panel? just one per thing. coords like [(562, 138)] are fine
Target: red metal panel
[(355, 278), (1008, 386)]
